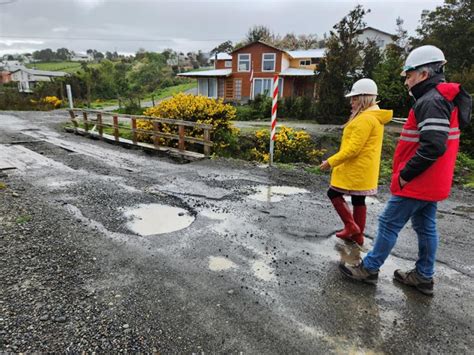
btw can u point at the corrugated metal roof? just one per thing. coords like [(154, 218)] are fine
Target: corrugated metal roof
[(308, 53), (207, 73), (296, 72)]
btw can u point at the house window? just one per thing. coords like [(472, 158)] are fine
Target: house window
[(263, 86), (244, 62), (380, 42), (238, 89), (268, 61), (305, 62), (228, 64), (314, 60), (207, 87)]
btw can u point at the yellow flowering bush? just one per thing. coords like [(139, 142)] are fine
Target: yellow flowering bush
[(197, 109), (51, 101), (290, 146)]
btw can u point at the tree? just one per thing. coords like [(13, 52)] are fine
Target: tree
[(44, 55), (451, 28), (308, 41), (63, 54), (224, 47), (259, 33), (371, 58), (341, 67), (392, 92)]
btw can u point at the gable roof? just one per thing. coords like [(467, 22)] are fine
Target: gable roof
[(261, 42), (374, 29)]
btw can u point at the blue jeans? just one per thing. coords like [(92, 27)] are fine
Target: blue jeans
[(396, 214)]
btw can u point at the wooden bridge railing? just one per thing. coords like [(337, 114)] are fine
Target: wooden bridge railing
[(91, 118)]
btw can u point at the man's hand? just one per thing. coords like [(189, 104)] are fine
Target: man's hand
[(401, 181), (325, 165)]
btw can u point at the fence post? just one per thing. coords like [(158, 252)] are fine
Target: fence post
[(99, 123), (207, 148), (116, 129), (181, 137), (134, 130), (86, 124), (73, 120), (156, 128)]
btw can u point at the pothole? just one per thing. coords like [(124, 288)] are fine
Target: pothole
[(275, 193), (151, 219)]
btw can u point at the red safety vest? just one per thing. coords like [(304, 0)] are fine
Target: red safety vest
[(434, 184)]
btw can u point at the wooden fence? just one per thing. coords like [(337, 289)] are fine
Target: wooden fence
[(95, 121)]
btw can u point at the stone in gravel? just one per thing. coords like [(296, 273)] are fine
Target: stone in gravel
[(44, 317), (125, 326), (14, 194), (230, 292), (60, 319)]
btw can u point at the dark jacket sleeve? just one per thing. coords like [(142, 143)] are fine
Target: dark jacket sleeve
[(432, 117)]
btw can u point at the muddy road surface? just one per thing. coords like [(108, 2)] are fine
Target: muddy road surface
[(110, 249)]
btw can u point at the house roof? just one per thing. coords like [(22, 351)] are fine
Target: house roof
[(309, 53), (41, 72), (207, 73), (297, 72), (374, 29), (261, 42)]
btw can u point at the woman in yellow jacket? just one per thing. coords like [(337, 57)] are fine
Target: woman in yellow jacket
[(355, 167)]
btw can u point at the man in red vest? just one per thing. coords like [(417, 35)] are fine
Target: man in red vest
[(423, 168)]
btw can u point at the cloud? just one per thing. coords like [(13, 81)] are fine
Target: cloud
[(89, 4), (11, 42), (60, 29)]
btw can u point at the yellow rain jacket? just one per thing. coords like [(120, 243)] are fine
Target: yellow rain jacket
[(356, 166)]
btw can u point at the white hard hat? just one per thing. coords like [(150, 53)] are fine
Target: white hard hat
[(363, 87), (423, 55)]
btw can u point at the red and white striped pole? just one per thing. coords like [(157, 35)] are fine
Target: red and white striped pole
[(274, 117)]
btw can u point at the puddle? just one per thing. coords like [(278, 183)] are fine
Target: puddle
[(157, 219), (275, 193), (219, 263), (263, 271)]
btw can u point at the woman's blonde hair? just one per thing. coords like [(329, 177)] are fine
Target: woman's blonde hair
[(363, 103)]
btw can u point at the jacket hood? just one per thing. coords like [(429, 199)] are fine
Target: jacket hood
[(384, 116), (460, 97)]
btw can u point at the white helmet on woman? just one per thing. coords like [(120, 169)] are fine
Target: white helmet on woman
[(363, 87), (421, 56)]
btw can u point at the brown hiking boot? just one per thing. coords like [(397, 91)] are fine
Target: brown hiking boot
[(412, 278), (359, 273)]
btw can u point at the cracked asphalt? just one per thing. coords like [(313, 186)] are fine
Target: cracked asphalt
[(255, 271)]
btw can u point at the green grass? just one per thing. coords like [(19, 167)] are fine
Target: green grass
[(315, 170), (170, 91), (68, 67), (23, 219), (2, 185), (158, 95)]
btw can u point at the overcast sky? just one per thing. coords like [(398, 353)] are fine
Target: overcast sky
[(127, 25)]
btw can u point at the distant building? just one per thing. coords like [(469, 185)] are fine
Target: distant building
[(27, 78), (81, 57), (248, 71), (381, 38)]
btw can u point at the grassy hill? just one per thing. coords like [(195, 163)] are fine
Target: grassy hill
[(68, 67)]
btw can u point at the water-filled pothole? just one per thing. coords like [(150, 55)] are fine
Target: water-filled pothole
[(157, 219), (275, 193)]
